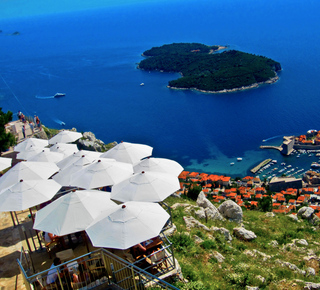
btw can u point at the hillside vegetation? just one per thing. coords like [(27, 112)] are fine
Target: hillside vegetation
[(276, 259), (203, 70)]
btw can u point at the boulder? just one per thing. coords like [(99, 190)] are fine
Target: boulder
[(169, 232), (203, 201), (301, 242), (217, 256), (224, 232), (244, 234), (269, 214), (310, 271), (306, 212), (230, 210), (212, 213), (197, 239), (311, 286), (252, 288), (274, 244), (200, 214), (293, 217), (191, 222)]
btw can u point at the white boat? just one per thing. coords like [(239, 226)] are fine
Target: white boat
[(142, 84), (232, 163), (58, 95), (239, 159)]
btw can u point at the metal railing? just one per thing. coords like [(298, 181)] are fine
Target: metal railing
[(100, 267)]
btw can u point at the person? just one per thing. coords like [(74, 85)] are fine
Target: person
[(38, 123), (19, 115), (83, 276), (48, 237), (31, 124), (24, 131), (138, 250), (53, 273)]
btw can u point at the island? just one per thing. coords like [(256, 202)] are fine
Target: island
[(205, 69)]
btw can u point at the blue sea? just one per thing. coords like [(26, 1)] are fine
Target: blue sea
[(90, 52)]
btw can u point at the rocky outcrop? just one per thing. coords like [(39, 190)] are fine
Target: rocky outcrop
[(211, 212), (191, 222), (243, 234), (291, 266), (293, 217), (230, 210), (90, 142)]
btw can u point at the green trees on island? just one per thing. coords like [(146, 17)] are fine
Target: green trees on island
[(207, 71), (6, 139)]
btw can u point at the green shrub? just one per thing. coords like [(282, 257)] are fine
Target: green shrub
[(182, 242), (209, 245)]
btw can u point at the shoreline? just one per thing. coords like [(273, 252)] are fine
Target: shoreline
[(243, 88)]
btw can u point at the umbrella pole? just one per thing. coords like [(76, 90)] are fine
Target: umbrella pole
[(84, 237), (16, 217), (12, 217), (37, 232)]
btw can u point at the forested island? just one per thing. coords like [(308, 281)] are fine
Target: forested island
[(205, 70)]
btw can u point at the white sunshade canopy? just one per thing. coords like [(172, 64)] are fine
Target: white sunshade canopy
[(29, 152), (131, 223), (65, 176), (103, 172), (128, 152), (34, 142), (27, 193), (47, 156), (5, 163), (65, 149), (77, 155), (27, 170), (72, 212), (65, 136), (159, 165), (146, 186)]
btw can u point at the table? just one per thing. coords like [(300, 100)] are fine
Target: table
[(155, 243), (65, 255)]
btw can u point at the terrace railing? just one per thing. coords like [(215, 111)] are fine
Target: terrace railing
[(101, 268)]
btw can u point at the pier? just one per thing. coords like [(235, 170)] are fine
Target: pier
[(263, 163)]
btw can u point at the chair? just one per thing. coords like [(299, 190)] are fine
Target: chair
[(158, 259), (49, 246)]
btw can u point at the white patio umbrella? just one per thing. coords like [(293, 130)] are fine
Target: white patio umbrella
[(131, 223), (27, 170), (103, 172), (145, 186), (77, 155), (65, 149), (47, 156), (5, 163), (27, 193), (128, 152), (29, 152), (64, 176), (72, 212), (159, 165), (34, 142), (65, 136)]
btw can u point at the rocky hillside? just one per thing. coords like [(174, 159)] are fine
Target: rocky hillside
[(221, 247)]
